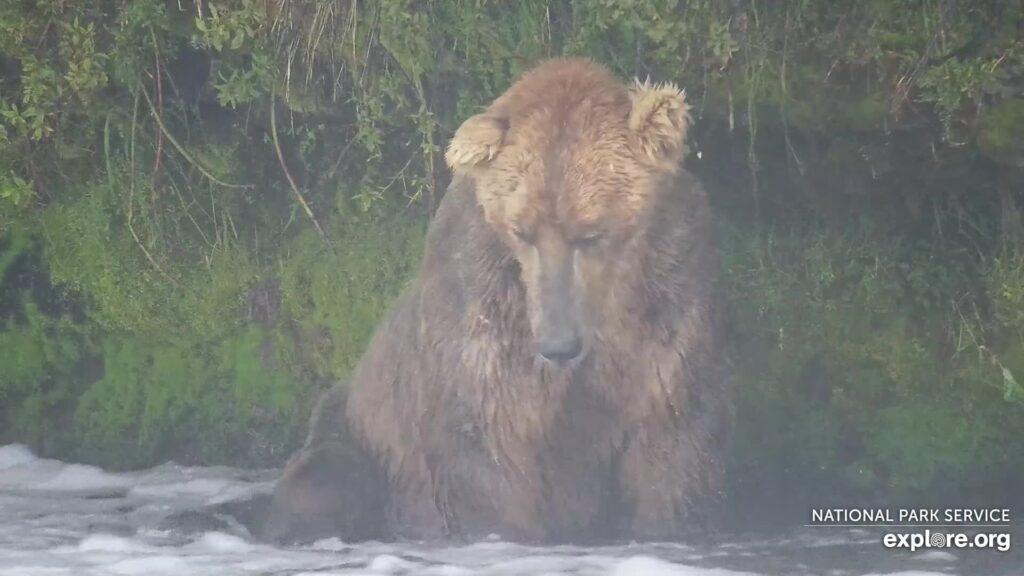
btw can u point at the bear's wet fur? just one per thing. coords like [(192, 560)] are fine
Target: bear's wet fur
[(555, 373)]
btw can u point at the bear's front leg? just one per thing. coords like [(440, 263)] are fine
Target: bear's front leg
[(487, 487), (664, 485), (671, 472)]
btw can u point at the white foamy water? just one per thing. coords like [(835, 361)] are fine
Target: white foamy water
[(67, 519)]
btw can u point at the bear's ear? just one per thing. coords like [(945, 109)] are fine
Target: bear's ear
[(659, 120), (478, 140)]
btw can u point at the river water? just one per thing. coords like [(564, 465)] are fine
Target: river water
[(61, 518)]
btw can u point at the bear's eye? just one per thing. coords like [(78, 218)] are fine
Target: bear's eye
[(522, 235), (587, 240)]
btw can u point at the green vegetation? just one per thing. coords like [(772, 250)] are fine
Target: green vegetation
[(865, 362), (205, 207)]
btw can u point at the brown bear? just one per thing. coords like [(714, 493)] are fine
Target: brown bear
[(556, 372)]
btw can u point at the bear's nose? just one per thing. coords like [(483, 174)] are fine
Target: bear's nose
[(560, 350)]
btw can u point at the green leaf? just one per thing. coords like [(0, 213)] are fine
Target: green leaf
[(1011, 389)]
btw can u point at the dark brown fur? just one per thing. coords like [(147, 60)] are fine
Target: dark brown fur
[(568, 214)]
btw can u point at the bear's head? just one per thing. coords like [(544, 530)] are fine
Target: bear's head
[(567, 166)]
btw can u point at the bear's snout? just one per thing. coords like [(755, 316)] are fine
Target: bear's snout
[(560, 349)]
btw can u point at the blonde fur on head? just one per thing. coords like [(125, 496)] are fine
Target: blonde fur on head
[(659, 120), (477, 140)]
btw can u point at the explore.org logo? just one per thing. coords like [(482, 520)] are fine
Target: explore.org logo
[(938, 528), (914, 541)]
